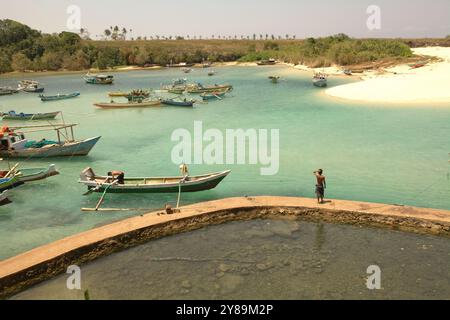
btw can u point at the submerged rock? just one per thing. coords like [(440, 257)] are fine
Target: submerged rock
[(186, 284)]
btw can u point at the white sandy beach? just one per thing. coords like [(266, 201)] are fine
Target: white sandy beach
[(430, 83)]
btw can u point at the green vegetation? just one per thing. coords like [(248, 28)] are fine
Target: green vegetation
[(339, 49), (25, 49)]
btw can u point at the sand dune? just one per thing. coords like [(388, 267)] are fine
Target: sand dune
[(402, 83)]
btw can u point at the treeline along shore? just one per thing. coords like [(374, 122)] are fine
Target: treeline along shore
[(25, 49)]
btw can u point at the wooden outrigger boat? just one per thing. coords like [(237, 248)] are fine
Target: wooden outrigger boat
[(30, 86), (151, 185), (98, 79), (59, 97), (213, 95), (320, 80), (269, 62), (179, 65), (4, 198), (32, 174), (215, 88), (178, 103), (12, 115), (7, 91), (14, 144), (131, 104)]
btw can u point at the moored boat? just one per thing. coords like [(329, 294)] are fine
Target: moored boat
[(14, 144), (199, 88), (7, 91), (213, 95), (110, 184), (131, 104), (59, 97), (30, 86), (33, 174), (211, 73), (179, 65), (178, 103), (98, 79), (12, 115), (320, 80), (269, 62)]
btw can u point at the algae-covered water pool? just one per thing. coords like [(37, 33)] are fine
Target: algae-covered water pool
[(267, 259), (396, 154)]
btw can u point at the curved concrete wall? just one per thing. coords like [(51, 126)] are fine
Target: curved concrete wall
[(42, 263)]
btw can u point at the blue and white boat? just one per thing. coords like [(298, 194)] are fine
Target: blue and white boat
[(15, 145)]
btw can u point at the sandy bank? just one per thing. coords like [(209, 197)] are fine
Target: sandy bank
[(403, 84), (47, 261)]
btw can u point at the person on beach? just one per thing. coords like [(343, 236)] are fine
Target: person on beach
[(320, 186)]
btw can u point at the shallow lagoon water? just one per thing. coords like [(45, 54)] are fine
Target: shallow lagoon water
[(388, 154), (267, 259)]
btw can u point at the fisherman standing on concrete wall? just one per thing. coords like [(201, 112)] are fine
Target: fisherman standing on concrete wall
[(320, 186)]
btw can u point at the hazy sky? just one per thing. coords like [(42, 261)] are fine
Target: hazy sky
[(304, 18)]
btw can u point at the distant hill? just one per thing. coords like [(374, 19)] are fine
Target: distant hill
[(22, 49)]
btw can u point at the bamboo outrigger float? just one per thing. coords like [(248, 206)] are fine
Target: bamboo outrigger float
[(14, 144)]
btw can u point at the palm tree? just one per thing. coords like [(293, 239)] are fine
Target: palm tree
[(267, 36), (124, 33), (107, 33), (260, 36), (254, 36), (287, 36)]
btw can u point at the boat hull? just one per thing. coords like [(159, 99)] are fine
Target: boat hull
[(33, 90), (211, 89), (79, 148), (208, 183), (320, 83), (127, 105), (178, 103), (30, 175), (60, 97), (38, 116)]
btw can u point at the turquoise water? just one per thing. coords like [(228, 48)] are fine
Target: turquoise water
[(379, 153), (266, 259)]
